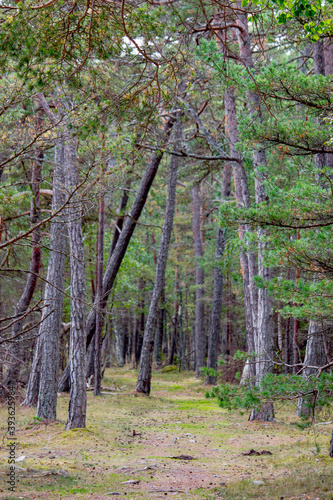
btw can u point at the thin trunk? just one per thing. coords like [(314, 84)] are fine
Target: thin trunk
[(215, 325), (159, 332), (119, 333), (99, 291), (314, 356), (247, 258), (77, 344), (13, 370), (116, 258), (265, 333), (200, 340), (182, 347), (315, 351), (145, 368)]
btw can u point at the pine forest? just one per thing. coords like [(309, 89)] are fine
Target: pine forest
[(166, 236)]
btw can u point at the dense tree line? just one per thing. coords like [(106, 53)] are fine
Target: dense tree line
[(165, 192)]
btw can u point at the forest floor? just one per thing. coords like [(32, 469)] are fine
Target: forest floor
[(106, 460)]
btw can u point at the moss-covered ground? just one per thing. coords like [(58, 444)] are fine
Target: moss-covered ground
[(127, 448)]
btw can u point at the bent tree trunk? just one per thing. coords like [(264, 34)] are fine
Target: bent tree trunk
[(13, 370), (200, 339), (215, 325), (145, 368), (44, 373), (77, 344), (115, 259)]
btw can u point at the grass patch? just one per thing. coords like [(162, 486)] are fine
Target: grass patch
[(174, 421)]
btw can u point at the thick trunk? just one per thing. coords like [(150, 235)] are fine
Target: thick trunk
[(49, 331), (13, 370), (200, 339), (115, 260), (215, 325), (77, 344), (145, 368)]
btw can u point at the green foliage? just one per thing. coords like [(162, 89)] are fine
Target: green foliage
[(316, 391)]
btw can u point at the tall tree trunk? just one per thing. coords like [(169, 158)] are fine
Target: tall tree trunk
[(119, 333), (265, 333), (215, 324), (200, 339), (12, 374), (115, 259), (99, 298), (77, 344), (44, 373), (140, 322), (315, 352), (247, 258), (145, 368), (159, 332), (314, 356), (182, 346)]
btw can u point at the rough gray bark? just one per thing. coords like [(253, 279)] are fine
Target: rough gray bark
[(13, 370), (115, 259), (264, 334), (200, 338), (45, 369), (77, 344), (215, 324), (145, 368)]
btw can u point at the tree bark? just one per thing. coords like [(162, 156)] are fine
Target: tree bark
[(265, 333), (200, 339), (45, 368), (314, 356), (12, 374), (99, 298), (145, 368), (247, 258), (119, 333), (215, 324), (159, 332), (77, 344), (115, 259)]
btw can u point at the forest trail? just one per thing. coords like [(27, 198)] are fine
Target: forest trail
[(127, 448)]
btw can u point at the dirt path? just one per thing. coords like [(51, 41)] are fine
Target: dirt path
[(126, 451)]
